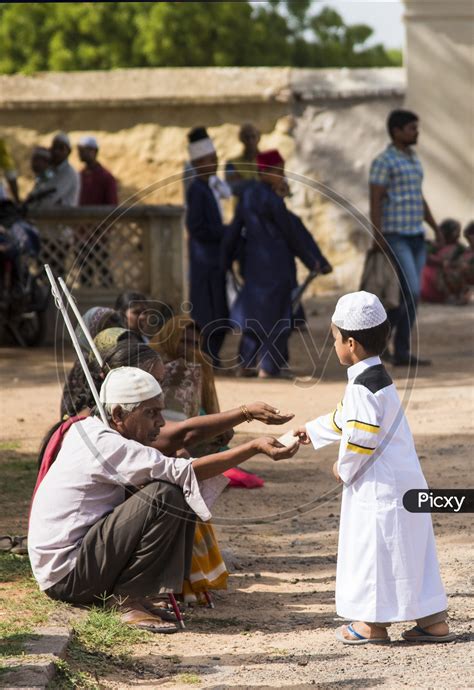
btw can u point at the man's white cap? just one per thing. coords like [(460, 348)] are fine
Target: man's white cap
[(358, 311), (129, 385), (199, 149), (63, 138), (89, 141)]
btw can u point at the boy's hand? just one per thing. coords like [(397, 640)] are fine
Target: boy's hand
[(268, 414), (274, 449), (302, 435), (335, 472)]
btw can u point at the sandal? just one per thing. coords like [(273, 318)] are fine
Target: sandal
[(144, 620), (159, 607), (425, 636), (20, 546), (359, 639), (6, 543)]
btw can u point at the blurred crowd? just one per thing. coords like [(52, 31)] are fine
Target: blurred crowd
[(56, 182)]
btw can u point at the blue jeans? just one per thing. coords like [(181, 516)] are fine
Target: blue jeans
[(409, 252)]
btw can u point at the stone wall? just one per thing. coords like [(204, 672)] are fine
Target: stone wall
[(328, 124)]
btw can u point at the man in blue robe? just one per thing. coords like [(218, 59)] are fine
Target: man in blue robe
[(263, 307), (206, 231)]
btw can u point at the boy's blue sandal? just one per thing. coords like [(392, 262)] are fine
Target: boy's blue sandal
[(425, 636), (360, 639)]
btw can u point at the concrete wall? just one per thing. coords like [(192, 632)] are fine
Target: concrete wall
[(440, 74)]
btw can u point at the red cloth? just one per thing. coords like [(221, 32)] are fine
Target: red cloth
[(269, 159), (429, 285), (243, 479), (52, 449), (98, 187)]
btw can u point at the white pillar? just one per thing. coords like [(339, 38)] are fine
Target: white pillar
[(440, 89)]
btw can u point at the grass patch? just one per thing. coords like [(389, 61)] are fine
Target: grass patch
[(22, 606), (103, 631), (10, 445), (101, 645), (18, 471), (13, 567), (188, 678), (67, 678)]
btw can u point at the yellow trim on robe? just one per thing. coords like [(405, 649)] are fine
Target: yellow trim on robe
[(364, 426), (359, 449), (333, 423)]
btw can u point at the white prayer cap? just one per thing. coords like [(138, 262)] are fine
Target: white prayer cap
[(63, 138), (358, 311), (200, 148), (89, 141), (129, 385)]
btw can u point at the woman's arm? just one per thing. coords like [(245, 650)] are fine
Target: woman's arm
[(212, 465), (190, 432)]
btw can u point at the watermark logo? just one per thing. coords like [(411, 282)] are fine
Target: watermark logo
[(439, 501)]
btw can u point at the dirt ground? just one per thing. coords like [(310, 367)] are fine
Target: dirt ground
[(275, 625)]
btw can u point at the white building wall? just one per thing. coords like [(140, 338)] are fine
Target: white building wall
[(439, 60)]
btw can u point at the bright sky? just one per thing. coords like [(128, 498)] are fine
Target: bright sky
[(384, 16)]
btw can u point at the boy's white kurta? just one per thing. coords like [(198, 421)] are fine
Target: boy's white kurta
[(387, 568)]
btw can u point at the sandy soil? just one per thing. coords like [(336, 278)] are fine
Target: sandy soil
[(274, 627)]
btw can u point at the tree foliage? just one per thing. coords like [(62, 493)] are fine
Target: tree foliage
[(106, 35)]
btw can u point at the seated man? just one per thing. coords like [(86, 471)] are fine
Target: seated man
[(87, 541)]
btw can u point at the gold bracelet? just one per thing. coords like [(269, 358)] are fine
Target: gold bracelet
[(246, 413)]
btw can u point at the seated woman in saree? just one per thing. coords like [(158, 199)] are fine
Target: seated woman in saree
[(189, 387), (96, 319), (442, 279), (87, 541)]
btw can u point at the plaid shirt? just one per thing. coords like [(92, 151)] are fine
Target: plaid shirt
[(402, 175)]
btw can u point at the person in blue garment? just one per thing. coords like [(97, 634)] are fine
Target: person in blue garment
[(206, 231), (263, 307), (321, 264)]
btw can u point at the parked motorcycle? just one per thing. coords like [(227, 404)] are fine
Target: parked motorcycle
[(23, 291)]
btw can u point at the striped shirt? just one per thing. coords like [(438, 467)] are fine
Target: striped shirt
[(402, 176)]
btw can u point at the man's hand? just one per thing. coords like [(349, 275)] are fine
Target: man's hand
[(268, 414), (302, 435), (274, 449), (335, 472)]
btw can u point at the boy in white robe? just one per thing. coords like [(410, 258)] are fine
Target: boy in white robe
[(387, 568)]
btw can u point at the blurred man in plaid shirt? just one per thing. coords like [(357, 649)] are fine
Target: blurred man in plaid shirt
[(397, 212)]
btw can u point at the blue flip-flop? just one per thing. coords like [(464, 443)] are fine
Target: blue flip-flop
[(425, 636), (360, 639)]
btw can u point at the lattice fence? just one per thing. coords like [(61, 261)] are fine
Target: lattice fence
[(92, 255)]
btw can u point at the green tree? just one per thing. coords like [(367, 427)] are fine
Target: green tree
[(106, 35)]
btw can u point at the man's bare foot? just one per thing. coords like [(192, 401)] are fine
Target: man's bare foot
[(367, 630)]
